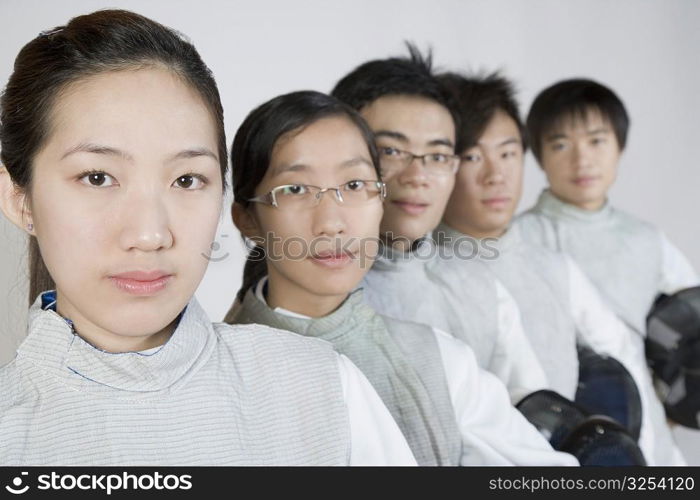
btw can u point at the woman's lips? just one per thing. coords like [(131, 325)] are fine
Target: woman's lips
[(141, 282), (332, 260), (411, 207)]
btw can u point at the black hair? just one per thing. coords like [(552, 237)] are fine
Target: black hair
[(411, 76), (477, 99), (107, 40), (255, 141), (574, 99)]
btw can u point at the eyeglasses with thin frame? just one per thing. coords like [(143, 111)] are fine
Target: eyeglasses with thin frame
[(394, 159), (300, 196)]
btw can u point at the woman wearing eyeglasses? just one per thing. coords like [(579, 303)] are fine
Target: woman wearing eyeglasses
[(308, 191)]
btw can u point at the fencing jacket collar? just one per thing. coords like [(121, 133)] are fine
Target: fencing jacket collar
[(553, 206), (53, 344)]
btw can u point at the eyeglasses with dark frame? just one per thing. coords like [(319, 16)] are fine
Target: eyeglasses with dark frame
[(299, 196), (394, 159)]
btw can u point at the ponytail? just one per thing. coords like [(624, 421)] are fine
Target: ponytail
[(254, 270)]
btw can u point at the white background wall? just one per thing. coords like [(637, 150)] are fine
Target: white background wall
[(647, 50)]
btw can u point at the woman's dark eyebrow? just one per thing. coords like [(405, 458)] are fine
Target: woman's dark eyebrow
[(355, 161), (194, 153), (300, 167), (86, 147), (288, 167)]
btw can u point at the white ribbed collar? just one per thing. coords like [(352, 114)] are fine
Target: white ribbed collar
[(334, 327), (52, 345), (549, 204)]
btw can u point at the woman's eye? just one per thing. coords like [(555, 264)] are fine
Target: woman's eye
[(190, 182), (597, 140), (98, 179), (355, 185), (471, 158), (295, 189)]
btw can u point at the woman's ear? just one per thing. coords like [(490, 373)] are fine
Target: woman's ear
[(13, 202), (245, 221)]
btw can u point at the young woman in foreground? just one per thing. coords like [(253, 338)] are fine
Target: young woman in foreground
[(114, 156)]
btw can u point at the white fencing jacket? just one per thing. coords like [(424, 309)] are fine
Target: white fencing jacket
[(487, 430), (213, 394)]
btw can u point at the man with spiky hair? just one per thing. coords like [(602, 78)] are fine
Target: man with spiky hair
[(413, 121)]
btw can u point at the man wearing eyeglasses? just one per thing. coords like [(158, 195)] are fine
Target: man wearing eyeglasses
[(414, 126)]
